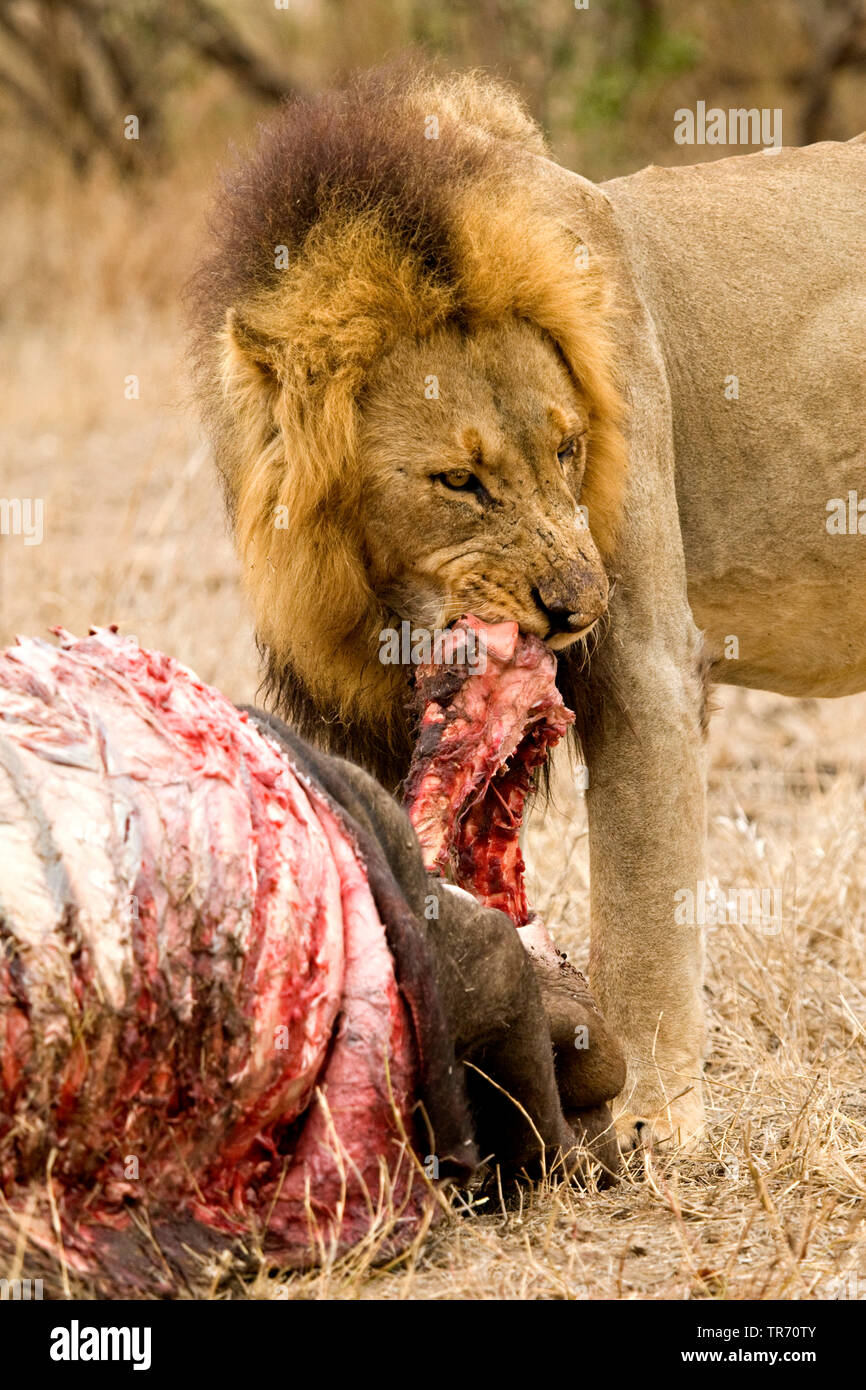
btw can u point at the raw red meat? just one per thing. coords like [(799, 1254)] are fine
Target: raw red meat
[(482, 735), (198, 1008)]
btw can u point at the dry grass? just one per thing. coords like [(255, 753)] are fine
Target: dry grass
[(771, 1204)]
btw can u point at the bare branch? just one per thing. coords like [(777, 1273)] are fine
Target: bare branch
[(211, 35), (44, 120)]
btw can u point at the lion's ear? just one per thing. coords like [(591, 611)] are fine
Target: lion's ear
[(249, 386), (253, 348)]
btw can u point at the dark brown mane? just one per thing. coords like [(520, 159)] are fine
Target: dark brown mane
[(361, 148)]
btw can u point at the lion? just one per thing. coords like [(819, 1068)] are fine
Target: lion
[(444, 374)]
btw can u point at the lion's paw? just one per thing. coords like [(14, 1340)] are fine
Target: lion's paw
[(676, 1125)]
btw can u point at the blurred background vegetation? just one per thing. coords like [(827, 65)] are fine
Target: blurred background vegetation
[(603, 80), (195, 75)]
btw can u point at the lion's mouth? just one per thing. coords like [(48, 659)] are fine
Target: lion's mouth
[(559, 641), (486, 725)]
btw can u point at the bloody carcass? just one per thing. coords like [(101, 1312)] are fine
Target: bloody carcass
[(224, 1017), (197, 996)]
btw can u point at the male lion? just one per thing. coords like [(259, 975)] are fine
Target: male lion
[(428, 353)]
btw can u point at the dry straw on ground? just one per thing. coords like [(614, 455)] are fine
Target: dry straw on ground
[(771, 1203)]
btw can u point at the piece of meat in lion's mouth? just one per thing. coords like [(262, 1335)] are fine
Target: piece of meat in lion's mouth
[(490, 713)]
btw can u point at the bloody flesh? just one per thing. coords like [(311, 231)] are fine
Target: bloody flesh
[(485, 728), (198, 1007)]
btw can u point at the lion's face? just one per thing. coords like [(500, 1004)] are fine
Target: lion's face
[(473, 448)]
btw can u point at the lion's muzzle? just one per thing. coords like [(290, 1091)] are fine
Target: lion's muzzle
[(572, 597)]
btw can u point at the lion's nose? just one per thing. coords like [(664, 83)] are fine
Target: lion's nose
[(572, 597), (559, 617)]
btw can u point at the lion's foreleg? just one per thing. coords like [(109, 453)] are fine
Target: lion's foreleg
[(647, 843)]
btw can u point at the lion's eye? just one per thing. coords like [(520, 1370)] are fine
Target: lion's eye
[(566, 451), (460, 479)]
